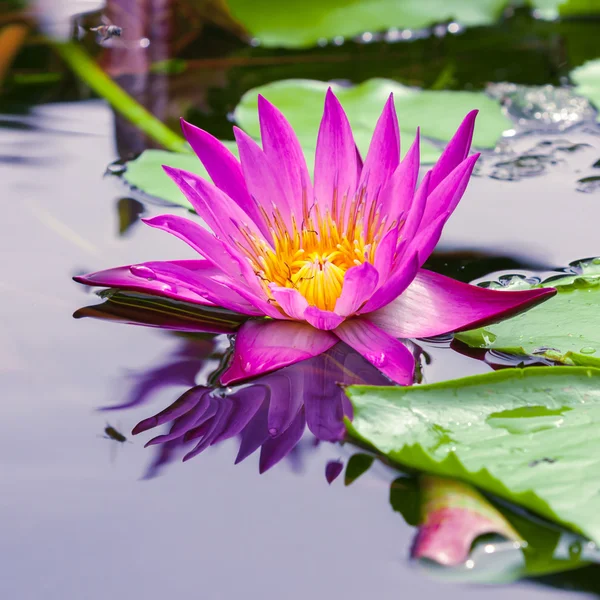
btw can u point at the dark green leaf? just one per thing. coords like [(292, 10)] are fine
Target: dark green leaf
[(357, 465)]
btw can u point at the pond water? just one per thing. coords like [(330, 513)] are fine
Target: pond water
[(86, 516)]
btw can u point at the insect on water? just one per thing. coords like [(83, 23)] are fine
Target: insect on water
[(112, 433)]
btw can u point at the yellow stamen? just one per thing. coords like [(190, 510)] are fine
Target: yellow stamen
[(313, 258)]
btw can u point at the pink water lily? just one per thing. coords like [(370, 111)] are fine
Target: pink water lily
[(334, 258)]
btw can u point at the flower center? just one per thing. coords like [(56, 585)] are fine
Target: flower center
[(314, 258)]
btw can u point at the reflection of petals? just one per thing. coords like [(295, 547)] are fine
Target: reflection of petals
[(270, 412), (182, 406), (332, 470), (224, 410), (263, 346), (246, 403), (274, 449), (254, 435), (285, 400), (323, 401)]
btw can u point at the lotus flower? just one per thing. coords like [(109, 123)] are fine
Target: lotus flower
[(335, 258)]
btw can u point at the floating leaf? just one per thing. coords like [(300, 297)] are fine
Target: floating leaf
[(587, 81), (566, 328), (531, 436), (145, 173), (438, 113), (301, 23)]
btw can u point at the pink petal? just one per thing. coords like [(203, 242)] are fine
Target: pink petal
[(213, 206), (200, 239), (434, 304), (336, 159), (263, 346), (224, 169), (292, 302), (208, 283), (383, 156), (124, 278), (359, 284), (261, 178), (426, 240), (385, 254), (322, 319), (386, 353), (414, 216), (456, 151), (446, 196), (257, 297), (282, 148), (398, 281), (397, 194)]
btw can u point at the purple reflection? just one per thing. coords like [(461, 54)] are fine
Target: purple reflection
[(269, 413)]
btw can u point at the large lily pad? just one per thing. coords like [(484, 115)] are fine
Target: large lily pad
[(437, 113), (565, 328), (301, 23), (531, 436)]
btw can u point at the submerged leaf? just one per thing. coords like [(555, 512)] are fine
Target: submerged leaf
[(566, 328), (453, 516), (531, 436), (437, 113)]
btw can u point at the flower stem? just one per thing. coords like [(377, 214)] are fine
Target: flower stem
[(89, 72)]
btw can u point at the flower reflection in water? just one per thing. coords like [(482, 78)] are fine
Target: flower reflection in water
[(270, 413)]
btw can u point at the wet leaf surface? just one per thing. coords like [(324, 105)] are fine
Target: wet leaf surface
[(527, 435), (566, 328)]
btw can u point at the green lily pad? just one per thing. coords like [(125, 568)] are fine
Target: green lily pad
[(565, 328), (531, 436), (302, 23), (438, 113), (587, 81), (145, 173)]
